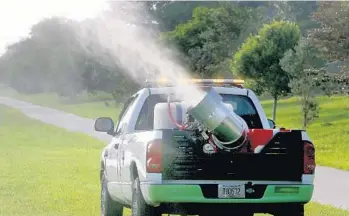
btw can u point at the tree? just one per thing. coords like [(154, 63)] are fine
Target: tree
[(300, 12), (48, 60), (332, 36), (259, 56), (52, 59), (212, 35), (169, 14), (304, 65)]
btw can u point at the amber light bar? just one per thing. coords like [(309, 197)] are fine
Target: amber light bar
[(166, 82)]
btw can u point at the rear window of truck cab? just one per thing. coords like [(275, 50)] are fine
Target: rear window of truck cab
[(242, 105)]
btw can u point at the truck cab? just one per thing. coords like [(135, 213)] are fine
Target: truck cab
[(154, 166)]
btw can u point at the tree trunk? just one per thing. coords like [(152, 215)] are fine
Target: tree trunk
[(305, 123), (274, 107)]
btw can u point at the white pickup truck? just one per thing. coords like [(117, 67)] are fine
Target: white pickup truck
[(154, 165)]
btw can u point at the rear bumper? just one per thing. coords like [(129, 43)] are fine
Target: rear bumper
[(158, 194)]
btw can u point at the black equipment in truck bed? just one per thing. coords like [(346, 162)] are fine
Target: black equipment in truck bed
[(280, 160)]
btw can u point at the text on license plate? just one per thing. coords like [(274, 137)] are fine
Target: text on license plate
[(231, 191)]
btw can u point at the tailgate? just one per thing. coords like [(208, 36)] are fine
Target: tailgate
[(280, 160)]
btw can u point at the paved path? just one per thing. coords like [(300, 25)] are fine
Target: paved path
[(331, 185)]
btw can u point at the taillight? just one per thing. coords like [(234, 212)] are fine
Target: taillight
[(154, 156), (309, 158)]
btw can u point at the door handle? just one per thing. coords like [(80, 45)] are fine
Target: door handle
[(116, 146), (123, 158)]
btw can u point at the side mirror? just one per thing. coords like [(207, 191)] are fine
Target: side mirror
[(104, 124), (271, 123)]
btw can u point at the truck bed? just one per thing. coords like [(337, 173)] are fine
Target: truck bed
[(280, 160)]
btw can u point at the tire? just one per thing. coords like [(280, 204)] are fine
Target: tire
[(139, 206), (109, 207), (292, 210)]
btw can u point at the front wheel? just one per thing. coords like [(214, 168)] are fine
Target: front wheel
[(139, 206), (109, 207)]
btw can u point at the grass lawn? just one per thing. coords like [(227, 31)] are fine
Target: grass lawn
[(330, 132), (46, 170), (49, 171)]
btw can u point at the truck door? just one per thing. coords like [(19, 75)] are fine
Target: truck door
[(114, 156), (124, 153)]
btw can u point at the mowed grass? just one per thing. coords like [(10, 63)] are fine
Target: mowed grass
[(49, 171), (46, 170), (329, 132)]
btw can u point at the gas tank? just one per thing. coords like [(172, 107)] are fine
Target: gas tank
[(162, 118)]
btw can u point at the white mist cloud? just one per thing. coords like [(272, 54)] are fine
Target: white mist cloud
[(136, 48)]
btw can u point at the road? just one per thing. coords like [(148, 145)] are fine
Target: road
[(331, 185)]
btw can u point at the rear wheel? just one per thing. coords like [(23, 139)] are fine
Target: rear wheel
[(109, 207), (139, 206)]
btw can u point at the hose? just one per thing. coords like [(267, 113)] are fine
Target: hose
[(213, 144), (223, 145), (181, 127)]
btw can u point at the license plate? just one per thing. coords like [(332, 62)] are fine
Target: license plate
[(231, 191)]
